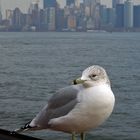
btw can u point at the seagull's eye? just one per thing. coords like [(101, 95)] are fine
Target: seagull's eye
[(93, 75)]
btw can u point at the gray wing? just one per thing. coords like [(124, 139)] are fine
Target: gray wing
[(63, 97), (59, 105)]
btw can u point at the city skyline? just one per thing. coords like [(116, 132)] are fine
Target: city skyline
[(24, 4), (90, 15)]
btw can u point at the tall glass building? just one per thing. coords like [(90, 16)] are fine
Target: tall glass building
[(137, 16), (119, 16), (128, 14), (50, 3), (115, 2), (69, 2)]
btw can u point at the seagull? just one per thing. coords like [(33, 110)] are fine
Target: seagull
[(77, 108)]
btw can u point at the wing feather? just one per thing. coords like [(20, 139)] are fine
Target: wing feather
[(59, 105)]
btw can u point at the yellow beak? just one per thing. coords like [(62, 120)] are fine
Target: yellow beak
[(78, 81)]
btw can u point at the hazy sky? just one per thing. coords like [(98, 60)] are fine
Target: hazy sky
[(24, 4)]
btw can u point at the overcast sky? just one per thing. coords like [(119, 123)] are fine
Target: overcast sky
[(24, 4)]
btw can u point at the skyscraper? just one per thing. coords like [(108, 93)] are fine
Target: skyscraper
[(103, 14), (137, 16), (50, 3), (119, 16), (0, 13), (69, 2), (115, 2), (89, 2), (77, 3), (128, 14), (17, 18), (71, 22), (110, 17), (91, 7), (35, 15), (59, 19), (51, 19)]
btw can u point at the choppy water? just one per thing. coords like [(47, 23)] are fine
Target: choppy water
[(34, 65)]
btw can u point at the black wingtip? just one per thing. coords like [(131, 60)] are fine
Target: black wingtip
[(22, 129)]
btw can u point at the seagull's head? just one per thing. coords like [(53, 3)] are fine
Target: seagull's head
[(92, 76)]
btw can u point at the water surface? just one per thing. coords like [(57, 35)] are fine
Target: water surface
[(34, 65)]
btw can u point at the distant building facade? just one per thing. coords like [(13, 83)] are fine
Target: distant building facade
[(128, 14), (49, 3), (16, 19), (137, 16), (71, 22), (115, 2), (35, 16), (69, 2), (51, 19), (119, 22), (77, 3), (103, 15), (60, 20)]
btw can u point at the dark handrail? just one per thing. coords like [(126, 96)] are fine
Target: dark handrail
[(7, 135)]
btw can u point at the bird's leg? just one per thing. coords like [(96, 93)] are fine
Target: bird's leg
[(73, 136), (82, 136)]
